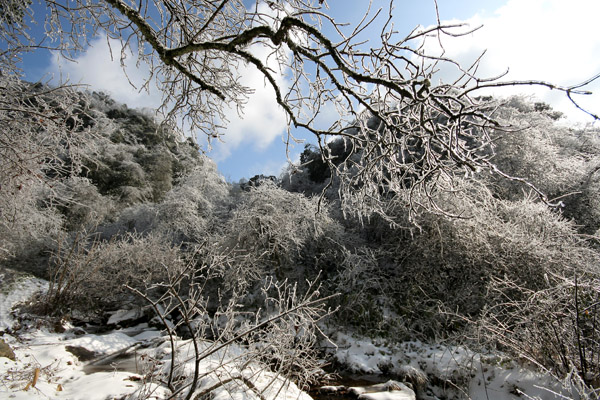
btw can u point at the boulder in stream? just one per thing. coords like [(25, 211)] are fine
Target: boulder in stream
[(390, 390)]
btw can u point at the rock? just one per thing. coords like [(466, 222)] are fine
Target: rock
[(81, 353), (6, 350), (390, 390), (415, 376), (77, 331), (127, 318)]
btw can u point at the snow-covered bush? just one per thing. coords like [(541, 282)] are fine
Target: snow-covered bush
[(255, 350), (89, 275), (361, 280), (189, 208), (275, 232), (561, 161), (582, 205), (451, 262), (116, 170), (136, 159), (553, 326), (45, 135), (186, 212), (45, 132), (26, 227), (516, 266), (527, 149), (82, 205)]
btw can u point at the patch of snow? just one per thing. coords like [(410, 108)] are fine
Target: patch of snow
[(124, 315), (146, 335), (60, 374), (390, 390), (15, 292), (360, 355), (107, 343), (392, 395), (44, 369), (331, 389)]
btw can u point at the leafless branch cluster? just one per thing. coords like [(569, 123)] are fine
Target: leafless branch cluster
[(271, 231), (88, 275), (555, 328), (407, 132), (278, 341), (43, 139), (42, 132)]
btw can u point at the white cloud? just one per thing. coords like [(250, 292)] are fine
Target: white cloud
[(102, 72), (262, 120), (551, 40), (269, 168)]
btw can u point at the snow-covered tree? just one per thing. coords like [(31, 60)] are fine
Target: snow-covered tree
[(409, 132)]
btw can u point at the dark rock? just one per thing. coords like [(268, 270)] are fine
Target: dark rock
[(6, 350), (81, 353)]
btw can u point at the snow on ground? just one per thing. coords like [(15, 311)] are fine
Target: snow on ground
[(390, 390), (62, 376), (451, 371), (59, 373), (15, 288), (229, 373), (46, 367)]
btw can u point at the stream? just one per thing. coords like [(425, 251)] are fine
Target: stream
[(347, 380)]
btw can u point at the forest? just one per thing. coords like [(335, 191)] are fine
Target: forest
[(435, 242)]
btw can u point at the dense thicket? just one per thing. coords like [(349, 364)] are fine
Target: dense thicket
[(492, 262)]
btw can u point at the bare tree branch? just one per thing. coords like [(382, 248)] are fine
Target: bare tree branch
[(405, 131)]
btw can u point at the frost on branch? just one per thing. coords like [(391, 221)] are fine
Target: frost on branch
[(408, 131)]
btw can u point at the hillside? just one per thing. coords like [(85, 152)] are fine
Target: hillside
[(116, 215)]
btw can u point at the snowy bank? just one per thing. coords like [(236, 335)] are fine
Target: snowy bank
[(441, 371)]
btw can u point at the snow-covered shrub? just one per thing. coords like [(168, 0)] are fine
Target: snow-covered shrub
[(561, 161), (136, 160), (362, 284), (140, 219), (26, 227), (261, 351), (275, 232), (45, 134), (186, 212), (582, 205), (451, 262), (82, 205), (190, 207), (312, 175), (535, 148), (554, 326), (116, 169), (90, 275)]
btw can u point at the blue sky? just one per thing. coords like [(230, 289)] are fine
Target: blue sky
[(554, 40)]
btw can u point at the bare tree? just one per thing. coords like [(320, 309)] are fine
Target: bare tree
[(407, 133), (43, 138)]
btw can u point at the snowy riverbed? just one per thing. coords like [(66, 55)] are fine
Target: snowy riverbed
[(75, 364), (70, 363), (448, 372)]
